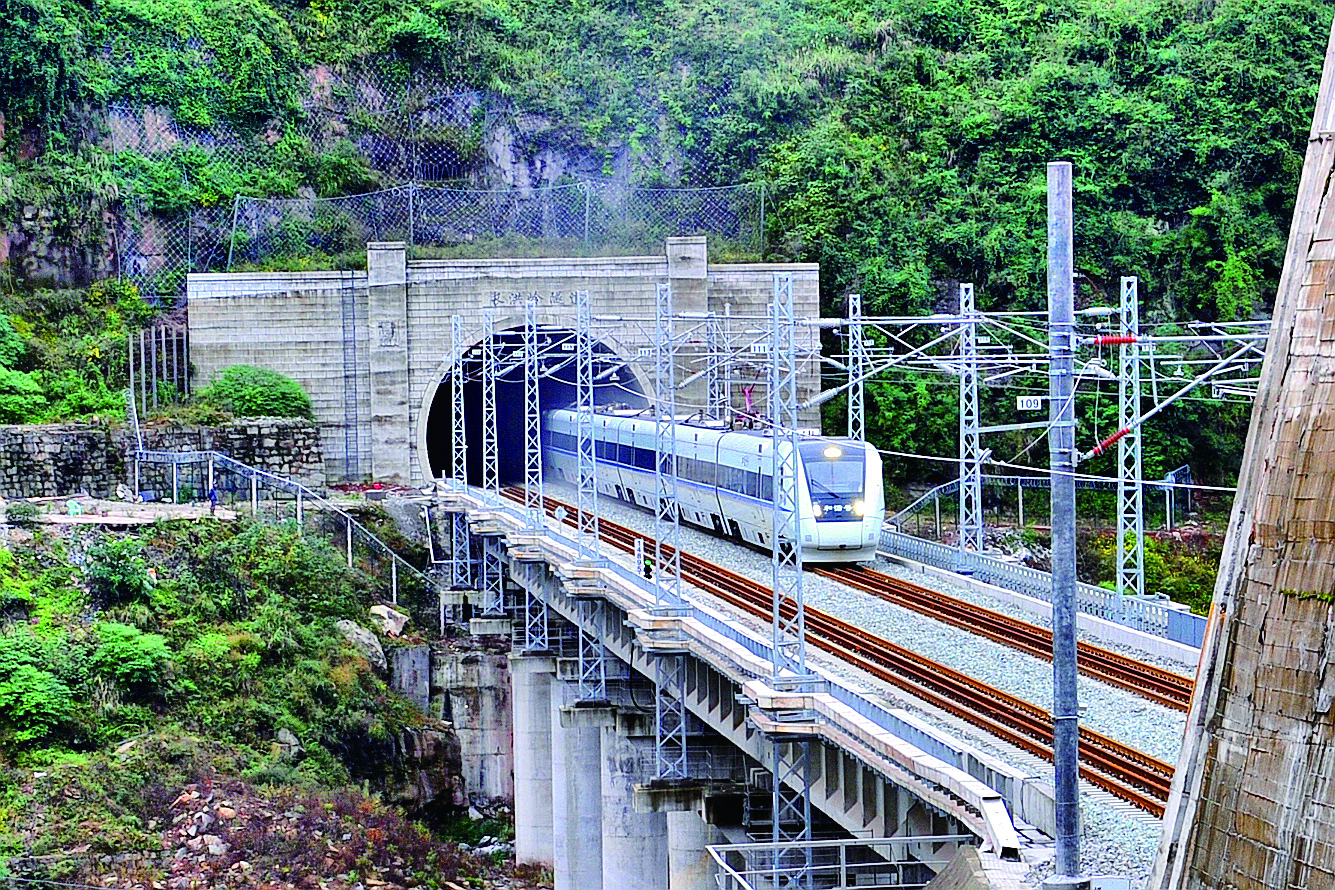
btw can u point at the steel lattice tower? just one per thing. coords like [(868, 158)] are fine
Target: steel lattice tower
[(587, 500), (535, 610), (1130, 490), (789, 637), (669, 668), (857, 370), (971, 454), (459, 535), (491, 466), (718, 400), (791, 794), (533, 505)]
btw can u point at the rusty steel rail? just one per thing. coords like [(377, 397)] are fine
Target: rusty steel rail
[(1149, 681)]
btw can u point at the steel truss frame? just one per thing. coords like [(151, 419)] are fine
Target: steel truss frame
[(669, 668), (593, 654), (493, 577), (791, 811)]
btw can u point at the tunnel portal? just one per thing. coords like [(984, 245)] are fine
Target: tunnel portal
[(615, 385)]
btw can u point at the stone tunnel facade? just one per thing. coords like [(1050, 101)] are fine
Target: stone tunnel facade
[(370, 347)]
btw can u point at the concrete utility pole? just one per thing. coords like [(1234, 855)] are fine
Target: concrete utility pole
[(1061, 443)]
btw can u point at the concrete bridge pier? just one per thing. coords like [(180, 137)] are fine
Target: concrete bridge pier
[(635, 844), (531, 676), (689, 864), (577, 791)]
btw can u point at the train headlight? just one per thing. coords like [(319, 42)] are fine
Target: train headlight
[(833, 451), (817, 510), (859, 508)]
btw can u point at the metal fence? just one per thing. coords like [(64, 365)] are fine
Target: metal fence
[(1176, 488), (425, 140), (587, 218), (892, 863)]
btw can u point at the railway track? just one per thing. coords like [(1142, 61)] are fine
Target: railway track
[(1156, 684), (1129, 774)]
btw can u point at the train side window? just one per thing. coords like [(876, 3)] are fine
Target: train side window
[(644, 459)]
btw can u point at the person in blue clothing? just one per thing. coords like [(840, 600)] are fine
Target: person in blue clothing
[(213, 501)]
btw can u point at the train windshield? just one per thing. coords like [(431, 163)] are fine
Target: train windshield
[(833, 470)]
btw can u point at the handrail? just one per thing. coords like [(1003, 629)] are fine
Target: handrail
[(312, 497)]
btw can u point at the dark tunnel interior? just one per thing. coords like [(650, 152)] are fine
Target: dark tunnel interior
[(614, 385)]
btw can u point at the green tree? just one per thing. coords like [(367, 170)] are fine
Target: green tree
[(22, 399), (117, 572)]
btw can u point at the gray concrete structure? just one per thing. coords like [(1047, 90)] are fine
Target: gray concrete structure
[(635, 844), (577, 802), (534, 825), (876, 773), (371, 348), (471, 688)]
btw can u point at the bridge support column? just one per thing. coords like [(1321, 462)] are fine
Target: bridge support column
[(577, 796), (531, 676), (635, 845), (689, 864)]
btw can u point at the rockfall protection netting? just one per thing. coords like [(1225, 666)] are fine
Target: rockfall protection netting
[(589, 218)]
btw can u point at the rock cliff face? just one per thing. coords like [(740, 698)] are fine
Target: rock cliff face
[(432, 763)]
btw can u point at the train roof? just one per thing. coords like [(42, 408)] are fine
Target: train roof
[(695, 421)]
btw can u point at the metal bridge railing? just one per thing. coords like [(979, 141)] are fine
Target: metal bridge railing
[(1159, 617), (892, 863)]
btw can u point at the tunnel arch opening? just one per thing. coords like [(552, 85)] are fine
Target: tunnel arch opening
[(616, 384)]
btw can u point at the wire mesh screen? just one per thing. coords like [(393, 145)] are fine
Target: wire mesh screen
[(411, 151), (590, 218)]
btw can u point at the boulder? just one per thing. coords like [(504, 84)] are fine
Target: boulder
[(365, 642), (432, 762), (288, 745), (391, 621)]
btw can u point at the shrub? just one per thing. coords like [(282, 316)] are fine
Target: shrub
[(12, 347), (34, 703), (246, 391), (117, 572), (21, 397), (134, 660), (21, 513)]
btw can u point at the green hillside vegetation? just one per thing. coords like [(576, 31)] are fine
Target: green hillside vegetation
[(904, 143), (63, 352), (132, 667)]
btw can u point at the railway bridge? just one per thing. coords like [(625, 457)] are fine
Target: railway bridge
[(613, 792)]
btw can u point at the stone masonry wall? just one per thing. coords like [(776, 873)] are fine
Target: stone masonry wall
[(61, 459)]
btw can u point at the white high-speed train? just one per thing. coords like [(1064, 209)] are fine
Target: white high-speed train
[(724, 479)]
